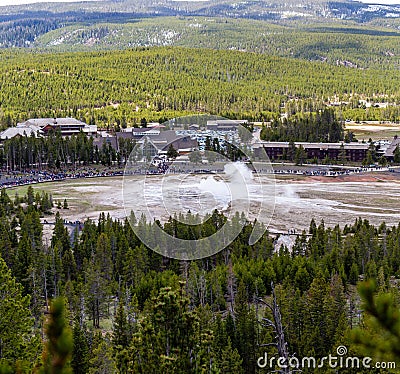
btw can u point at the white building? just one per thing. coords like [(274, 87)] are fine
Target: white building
[(67, 126), (29, 131)]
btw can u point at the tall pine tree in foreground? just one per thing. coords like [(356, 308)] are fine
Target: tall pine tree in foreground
[(19, 346), (379, 337), (59, 347)]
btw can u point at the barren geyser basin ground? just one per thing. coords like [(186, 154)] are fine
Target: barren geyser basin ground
[(298, 199)]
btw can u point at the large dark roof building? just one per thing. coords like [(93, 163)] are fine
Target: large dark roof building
[(162, 141), (278, 150), (157, 144), (389, 153)]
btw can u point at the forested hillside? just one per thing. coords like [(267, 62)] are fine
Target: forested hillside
[(341, 32), (352, 45), (122, 87)]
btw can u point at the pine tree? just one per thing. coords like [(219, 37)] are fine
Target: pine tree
[(7, 250), (353, 276), (300, 155), (99, 279), (19, 345), (60, 342), (245, 329), (172, 153), (195, 157), (168, 336), (121, 338), (230, 361), (380, 336), (60, 234), (315, 336), (220, 336), (396, 155), (335, 312), (102, 361), (80, 351), (120, 335), (30, 196)]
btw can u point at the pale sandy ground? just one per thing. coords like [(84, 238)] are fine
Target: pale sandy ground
[(376, 131), (336, 200), (373, 128)]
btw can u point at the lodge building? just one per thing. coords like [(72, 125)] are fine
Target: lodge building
[(355, 152)]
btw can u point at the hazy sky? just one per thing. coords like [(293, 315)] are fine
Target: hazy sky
[(15, 2)]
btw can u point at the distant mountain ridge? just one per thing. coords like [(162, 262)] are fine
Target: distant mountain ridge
[(255, 25), (254, 9)]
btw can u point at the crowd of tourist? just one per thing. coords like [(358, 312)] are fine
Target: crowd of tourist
[(18, 178)]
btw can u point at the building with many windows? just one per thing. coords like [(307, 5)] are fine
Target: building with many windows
[(355, 152)]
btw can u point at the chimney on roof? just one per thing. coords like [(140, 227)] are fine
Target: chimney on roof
[(55, 120)]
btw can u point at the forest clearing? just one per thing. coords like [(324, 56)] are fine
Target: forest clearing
[(373, 196)]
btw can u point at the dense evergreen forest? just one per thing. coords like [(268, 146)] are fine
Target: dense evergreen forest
[(121, 88), (331, 42), (320, 127), (123, 308), (56, 152)]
